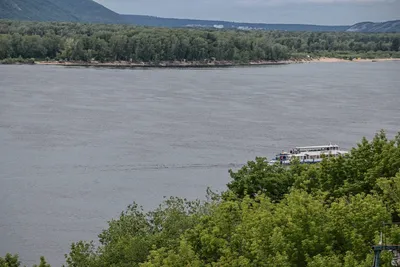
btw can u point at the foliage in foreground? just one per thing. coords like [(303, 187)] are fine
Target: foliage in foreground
[(328, 215), (13, 261)]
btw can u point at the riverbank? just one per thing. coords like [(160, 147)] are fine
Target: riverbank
[(197, 64), (192, 64), (333, 60), (165, 64)]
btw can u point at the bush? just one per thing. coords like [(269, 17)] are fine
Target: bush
[(18, 61)]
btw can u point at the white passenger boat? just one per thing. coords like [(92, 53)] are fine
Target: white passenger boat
[(308, 154)]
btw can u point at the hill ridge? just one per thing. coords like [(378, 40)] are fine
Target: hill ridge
[(369, 26), (89, 11)]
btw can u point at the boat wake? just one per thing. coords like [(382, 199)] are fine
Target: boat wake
[(59, 169), (154, 167)]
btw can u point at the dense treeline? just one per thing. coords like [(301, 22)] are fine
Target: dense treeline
[(87, 42), (323, 215)]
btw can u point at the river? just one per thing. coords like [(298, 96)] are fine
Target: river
[(77, 145)]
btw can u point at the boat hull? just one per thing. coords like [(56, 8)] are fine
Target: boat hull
[(288, 162)]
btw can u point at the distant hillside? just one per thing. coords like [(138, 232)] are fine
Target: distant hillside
[(89, 11), (388, 26), (169, 22), (37, 10), (57, 10), (92, 12)]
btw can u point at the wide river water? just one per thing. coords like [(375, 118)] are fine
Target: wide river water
[(77, 145)]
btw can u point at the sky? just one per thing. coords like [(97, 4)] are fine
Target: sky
[(323, 12)]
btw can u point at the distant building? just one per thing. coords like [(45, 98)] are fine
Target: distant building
[(244, 28)]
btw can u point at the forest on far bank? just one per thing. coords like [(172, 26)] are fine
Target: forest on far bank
[(30, 41), (323, 215)]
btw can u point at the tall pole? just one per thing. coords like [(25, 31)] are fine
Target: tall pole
[(377, 258), (378, 250)]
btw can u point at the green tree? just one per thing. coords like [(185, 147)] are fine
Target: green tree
[(42, 263), (10, 261), (183, 256), (395, 44), (260, 177), (5, 47), (13, 261)]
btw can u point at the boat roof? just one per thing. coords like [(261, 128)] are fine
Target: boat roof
[(313, 153), (315, 147), (316, 153)]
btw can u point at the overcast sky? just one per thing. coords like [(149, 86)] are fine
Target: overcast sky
[(328, 12)]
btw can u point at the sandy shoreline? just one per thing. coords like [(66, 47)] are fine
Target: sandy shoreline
[(200, 64), (332, 60)]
